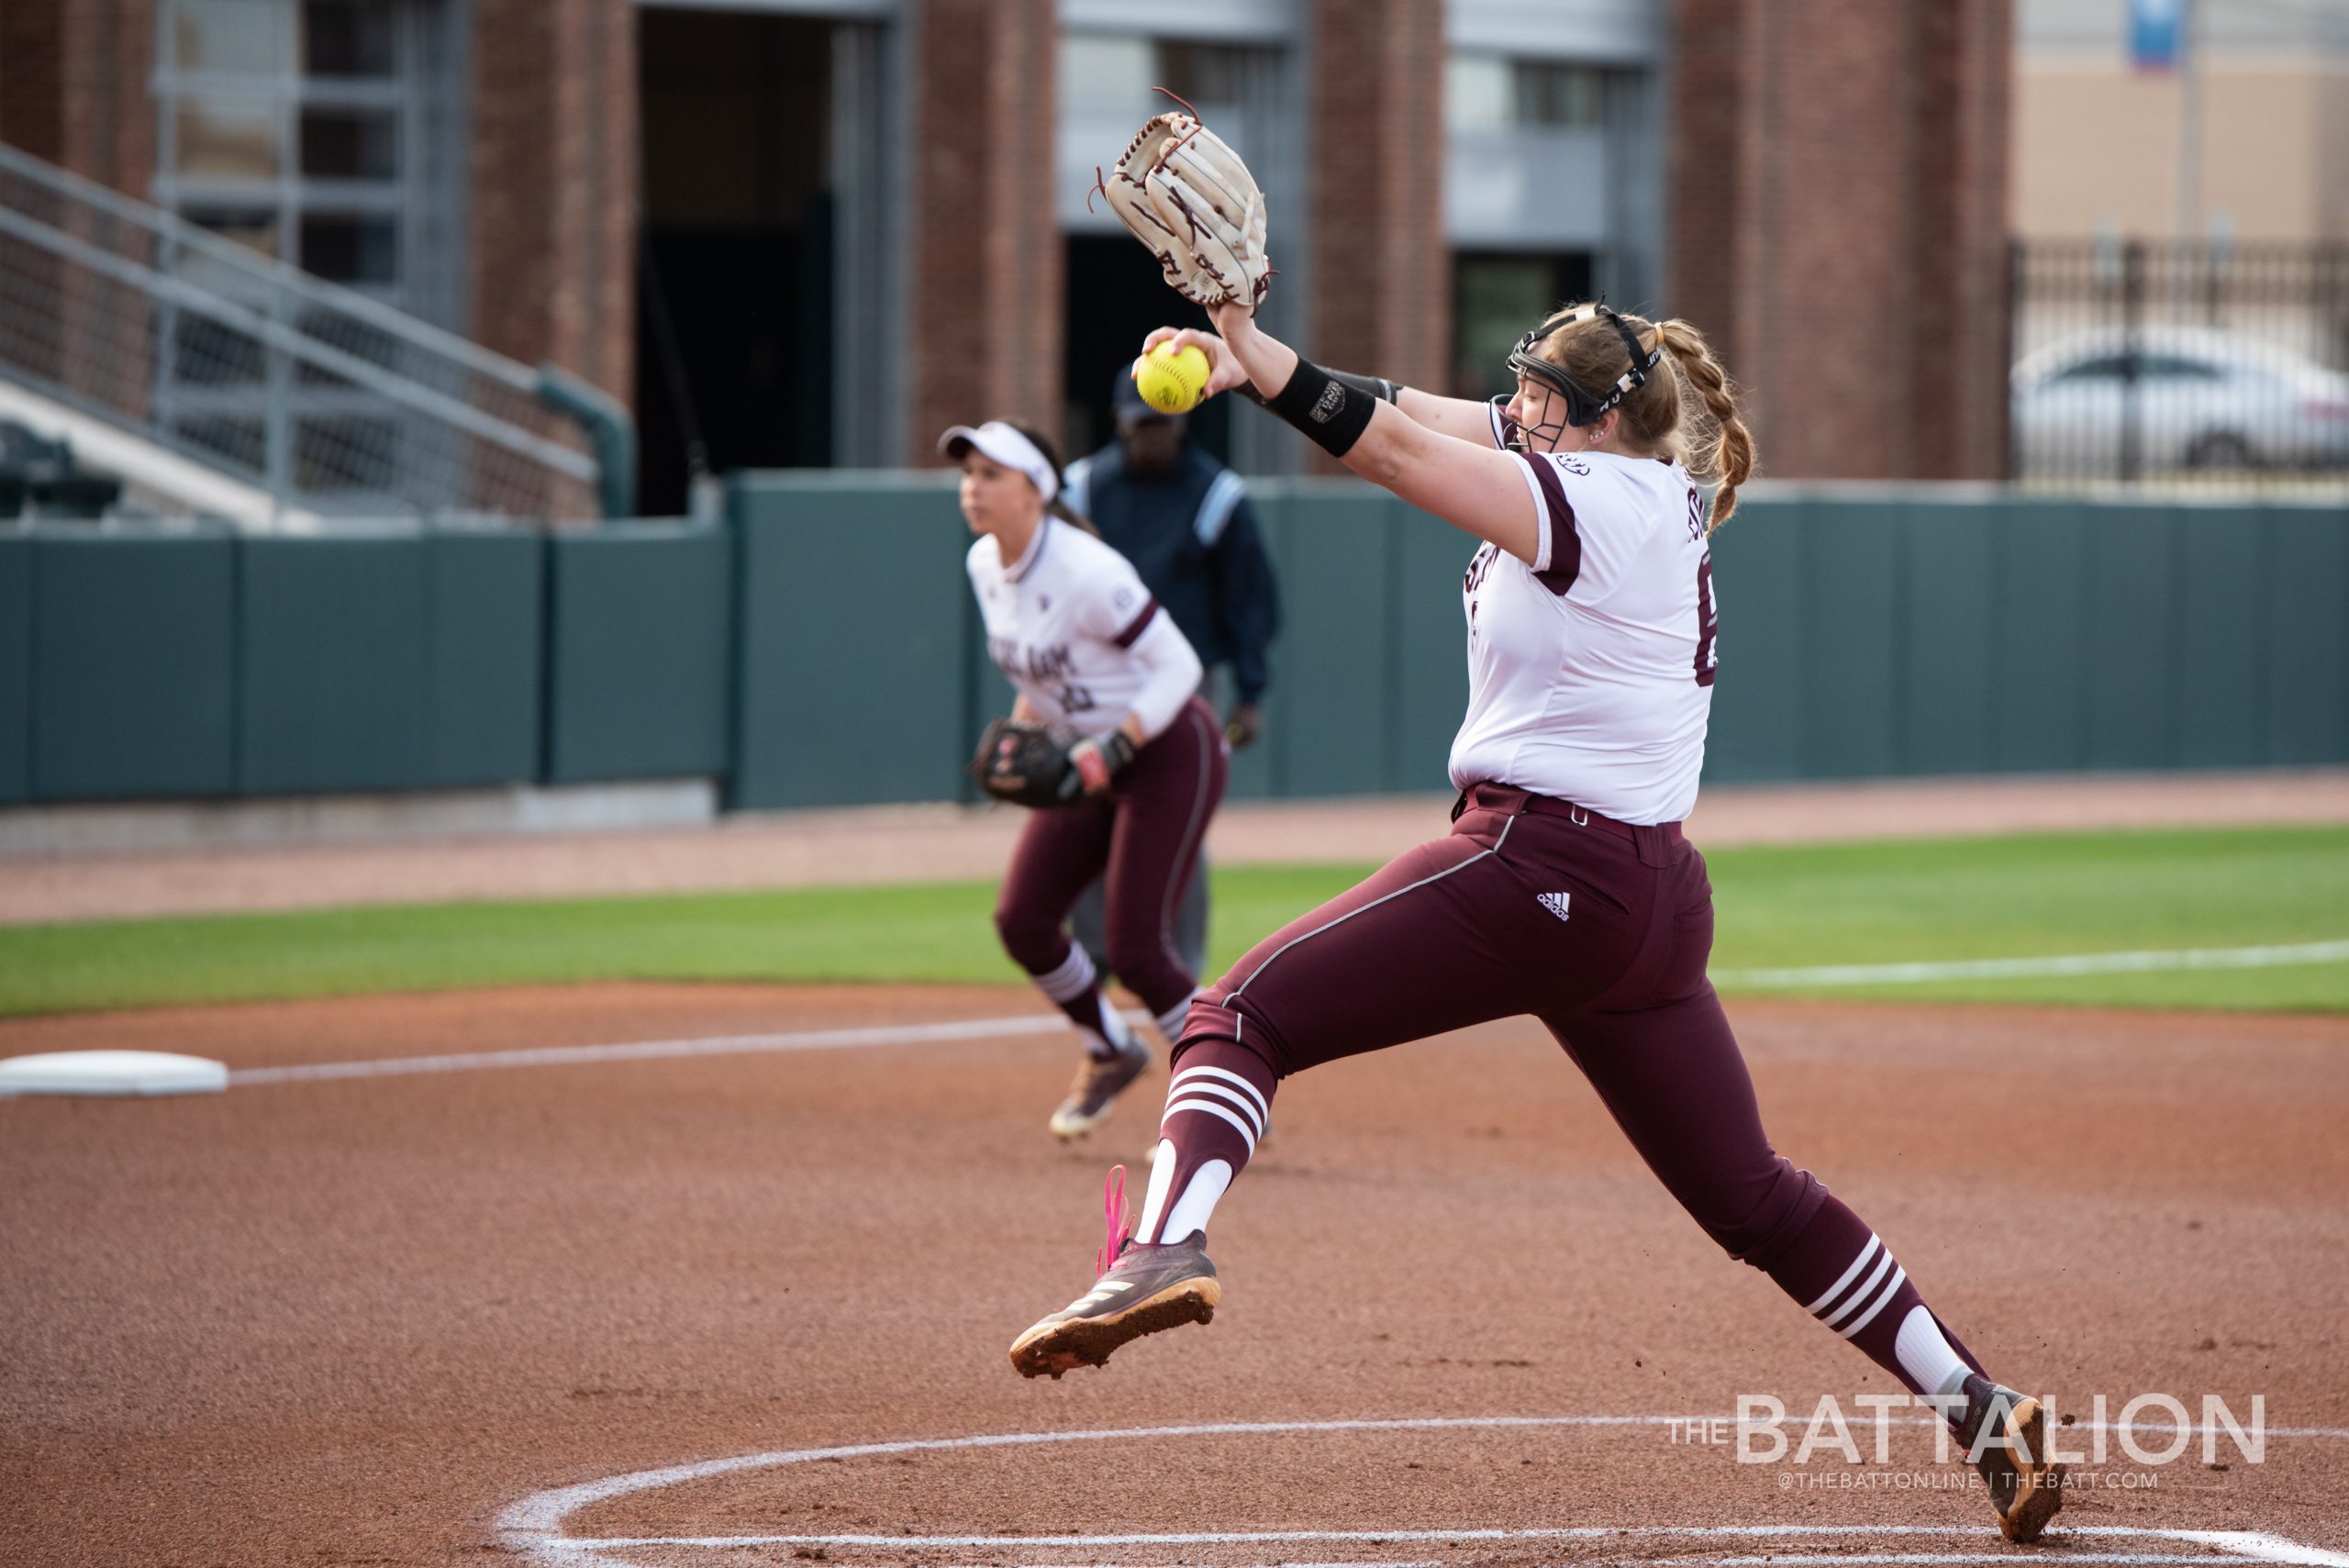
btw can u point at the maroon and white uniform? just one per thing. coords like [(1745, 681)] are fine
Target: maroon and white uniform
[(1074, 629), (1564, 890), (1590, 671)]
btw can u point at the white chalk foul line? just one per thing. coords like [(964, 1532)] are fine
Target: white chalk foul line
[(1046, 1023), (1834, 1560), (2029, 968), (2278, 1549), (663, 1049), (533, 1526)]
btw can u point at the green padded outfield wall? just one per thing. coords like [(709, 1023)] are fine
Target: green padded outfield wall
[(822, 648), (1922, 632), (396, 660), (330, 684), (133, 664), (859, 663), (1864, 633), (485, 661), (1370, 593), (15, 668), (1369, 674), (640, 652)]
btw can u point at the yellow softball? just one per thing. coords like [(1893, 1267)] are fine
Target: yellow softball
[(1171, 380)]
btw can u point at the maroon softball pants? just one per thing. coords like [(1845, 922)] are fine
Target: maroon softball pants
[(1602, 931), (1143, 842)]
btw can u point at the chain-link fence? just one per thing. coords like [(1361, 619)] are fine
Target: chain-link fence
[(2182, 364), (332, 402)]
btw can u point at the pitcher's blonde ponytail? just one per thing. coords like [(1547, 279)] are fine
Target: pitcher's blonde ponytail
[(1718, 445)]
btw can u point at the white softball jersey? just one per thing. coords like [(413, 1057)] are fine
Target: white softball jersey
[(1590, 671), (1072, 627)]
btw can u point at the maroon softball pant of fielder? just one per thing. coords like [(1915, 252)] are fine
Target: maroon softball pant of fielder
[(1603, 933), (1141, 842)]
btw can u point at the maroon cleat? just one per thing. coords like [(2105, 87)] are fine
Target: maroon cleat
[(1146, 1289), (2026, 1487)]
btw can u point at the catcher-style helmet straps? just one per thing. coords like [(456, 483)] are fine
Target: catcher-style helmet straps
[(1582, 407)]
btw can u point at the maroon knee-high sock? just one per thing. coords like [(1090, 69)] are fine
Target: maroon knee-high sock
[(1843, 1275)]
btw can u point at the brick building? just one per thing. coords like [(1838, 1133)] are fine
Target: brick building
[(814, 231)]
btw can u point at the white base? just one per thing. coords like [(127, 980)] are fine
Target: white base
[(111, 1073)]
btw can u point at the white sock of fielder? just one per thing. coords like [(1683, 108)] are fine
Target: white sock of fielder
[(1110, 1037), (1076, 988)]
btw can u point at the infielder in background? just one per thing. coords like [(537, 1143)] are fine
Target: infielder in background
[(1073, 628), (1565, 889), (1183, 520)]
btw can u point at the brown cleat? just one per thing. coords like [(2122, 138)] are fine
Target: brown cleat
[(1147, 1289), (1098, 1085), (2025, 1485)]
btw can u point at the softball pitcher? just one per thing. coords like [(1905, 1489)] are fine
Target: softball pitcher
[(1565, 889), (1091, 655)]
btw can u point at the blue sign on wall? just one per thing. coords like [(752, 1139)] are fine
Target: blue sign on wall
[(2156, 33)]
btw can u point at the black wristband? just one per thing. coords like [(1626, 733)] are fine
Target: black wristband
[(1332, 410), (1375, 386)]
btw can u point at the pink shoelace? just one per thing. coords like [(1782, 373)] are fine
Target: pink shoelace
[(1116, 1216)]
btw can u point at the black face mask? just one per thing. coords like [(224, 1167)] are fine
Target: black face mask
[(1582, 408)]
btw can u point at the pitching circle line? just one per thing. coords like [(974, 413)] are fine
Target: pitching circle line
[(532, 1527)]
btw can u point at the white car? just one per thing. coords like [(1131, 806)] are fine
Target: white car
[(2204, 400)]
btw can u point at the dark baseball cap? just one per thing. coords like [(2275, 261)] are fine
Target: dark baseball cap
[(1126, 400)]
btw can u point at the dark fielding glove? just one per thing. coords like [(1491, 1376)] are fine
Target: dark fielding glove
[(1098, 762), (1026, 764)]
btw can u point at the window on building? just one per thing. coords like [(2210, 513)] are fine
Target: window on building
[(1496, 300), (313, 132), (1115, 291), (1496, 92)]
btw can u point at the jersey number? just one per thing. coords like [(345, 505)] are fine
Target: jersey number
[(1709, 621)]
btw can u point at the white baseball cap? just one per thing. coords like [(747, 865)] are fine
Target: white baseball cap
[(1008, 447)]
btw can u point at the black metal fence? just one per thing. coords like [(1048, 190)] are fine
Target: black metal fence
[(2179, 363)]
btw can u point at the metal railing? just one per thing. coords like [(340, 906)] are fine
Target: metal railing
[(2181, 364), (332, 402)]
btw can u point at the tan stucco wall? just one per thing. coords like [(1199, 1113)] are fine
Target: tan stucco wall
[(2097, 146)]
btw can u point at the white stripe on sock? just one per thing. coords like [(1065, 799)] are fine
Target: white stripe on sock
[(1851, 1302), (1926, 1354), (1199, 1200), (1161, 1178), (1900, 1276), (1211, 1109), (1263, 1110), (1170, 1022), (1816, 1307), (1074, 977), (1197, 1086)]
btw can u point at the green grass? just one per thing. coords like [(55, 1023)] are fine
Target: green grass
[(1778, 907)]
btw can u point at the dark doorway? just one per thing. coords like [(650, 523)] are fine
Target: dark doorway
[(734, 261), (1497, 298), (1115, 295)]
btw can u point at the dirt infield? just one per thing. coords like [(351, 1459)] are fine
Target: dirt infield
[(373, 1319)]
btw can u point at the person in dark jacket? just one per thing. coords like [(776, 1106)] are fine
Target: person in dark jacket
[(1183, 520)]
